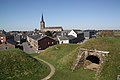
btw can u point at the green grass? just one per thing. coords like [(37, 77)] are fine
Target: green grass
[(62, 57), (111, 68), (17, 65)]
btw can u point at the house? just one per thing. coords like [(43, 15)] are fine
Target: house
[(75, 33), (65, 32), (9, 37), (11, 43), (17, 38), (66, 39), (63, 40), (8, 45), (78, 34), (20, 37), (3, 38), (2, 32), (89, 34), (40, 42), (70, 36)]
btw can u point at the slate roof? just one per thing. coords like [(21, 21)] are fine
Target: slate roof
[(2, 32), (17, 37), (63, 38), (71, 37), (11, 42), (66, 37), (1, 35), (37, 37), (65, 31), (77, 31)]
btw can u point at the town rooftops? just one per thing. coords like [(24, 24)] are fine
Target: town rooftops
[(65, 31), (1, 35), (2, 32), (11, 42), (66, 37), (37, 37), (77, 31)]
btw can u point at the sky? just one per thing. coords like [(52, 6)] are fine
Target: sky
[(70, 14)]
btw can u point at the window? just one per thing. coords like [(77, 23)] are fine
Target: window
[(48, 42), (1, 40), (52, 42), (1, 37)]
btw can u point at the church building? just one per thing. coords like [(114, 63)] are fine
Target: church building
[(45, 29)]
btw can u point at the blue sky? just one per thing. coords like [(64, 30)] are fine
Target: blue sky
[(71, 14)]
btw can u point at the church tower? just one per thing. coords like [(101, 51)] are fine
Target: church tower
[(42, 24)]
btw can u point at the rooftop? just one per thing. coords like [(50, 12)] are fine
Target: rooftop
[(77, 31), (1, 35), (66, 37), (37, 37), (56, 27)]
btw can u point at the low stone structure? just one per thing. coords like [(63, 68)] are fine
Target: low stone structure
[(90, 59)]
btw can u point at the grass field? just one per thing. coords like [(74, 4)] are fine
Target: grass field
[(17, 65), (63, 56), (111, 68)]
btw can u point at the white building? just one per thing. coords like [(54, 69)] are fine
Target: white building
[(74, 36), (63, 40), (75, 33)]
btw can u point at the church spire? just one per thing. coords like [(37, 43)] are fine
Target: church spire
[(42, 19), (42, 24)]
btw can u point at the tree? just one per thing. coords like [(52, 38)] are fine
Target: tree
[(48, 33)]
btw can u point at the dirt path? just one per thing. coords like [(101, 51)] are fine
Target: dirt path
[(51, 67)]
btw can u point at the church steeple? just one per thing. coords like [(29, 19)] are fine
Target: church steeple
[(42, 19), (42, 24)]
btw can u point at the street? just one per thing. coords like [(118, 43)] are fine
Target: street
[(27, 48)]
